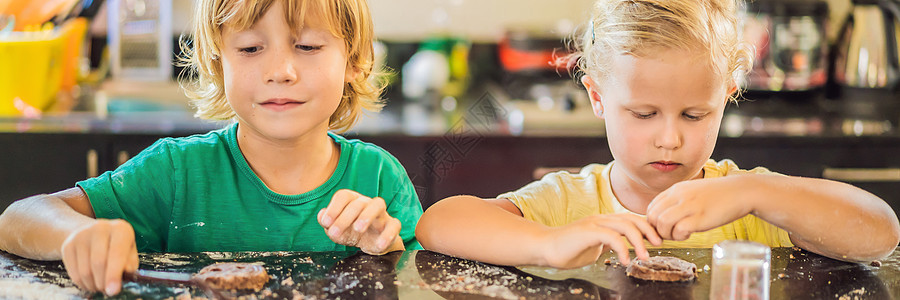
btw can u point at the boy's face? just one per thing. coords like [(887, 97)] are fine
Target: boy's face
[(662, 116), (283, 83)]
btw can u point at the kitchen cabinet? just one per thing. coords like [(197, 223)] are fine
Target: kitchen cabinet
[(500, 164), (124, 147), (35, 163), (43, 163), (871, 163)]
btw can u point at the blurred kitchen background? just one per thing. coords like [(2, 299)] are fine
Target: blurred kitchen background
[(475, 104)]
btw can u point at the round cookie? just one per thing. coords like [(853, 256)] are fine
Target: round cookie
[(662, 268), (234, 276)]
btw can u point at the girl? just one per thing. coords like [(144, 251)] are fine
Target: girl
[(660, 73), (287, 71)]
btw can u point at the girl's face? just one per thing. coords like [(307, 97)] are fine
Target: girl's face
[(283, 83), (662, 116)]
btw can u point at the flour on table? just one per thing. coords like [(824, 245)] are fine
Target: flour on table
[(26, 289)]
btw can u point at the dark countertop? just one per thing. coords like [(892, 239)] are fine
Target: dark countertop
[(795, 274)]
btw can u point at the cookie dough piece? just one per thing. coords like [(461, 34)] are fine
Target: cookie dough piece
[(662, 268), (234, 276)]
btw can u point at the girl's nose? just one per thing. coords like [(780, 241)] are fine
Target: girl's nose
[(669, 137), (282, 69)]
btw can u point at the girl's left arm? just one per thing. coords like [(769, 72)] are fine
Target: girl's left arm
[(828, 217), (831, 218)]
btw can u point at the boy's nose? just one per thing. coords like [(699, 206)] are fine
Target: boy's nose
[(281, 70), (669, 137)]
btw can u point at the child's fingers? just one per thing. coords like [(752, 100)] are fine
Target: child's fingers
[(119, 255), (653, 215), (99, 254), (655, 218), (664, 228), (391, 231), (622, 253), (657, 206), (340, 199), (683, 229), (70, 261), (373, 210), (83, 254), (631, 231), (645, 227), (133, 261), (319, 217), (346, 217), (641, 252), (613, 240), (666, 221), (637, 241)]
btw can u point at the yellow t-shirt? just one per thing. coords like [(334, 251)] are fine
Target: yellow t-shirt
[(560, 198)]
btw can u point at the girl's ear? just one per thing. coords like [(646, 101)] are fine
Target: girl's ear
[(732, 88), (593, 94)]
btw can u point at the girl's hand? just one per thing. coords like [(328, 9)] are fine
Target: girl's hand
[(97, 255), (355, 220), (698, 205), (582, 242)]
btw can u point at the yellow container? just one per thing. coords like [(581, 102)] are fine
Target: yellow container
[(33, 65)]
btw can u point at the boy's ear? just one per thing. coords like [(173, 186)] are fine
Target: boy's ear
[(351, 73), (593, 94)]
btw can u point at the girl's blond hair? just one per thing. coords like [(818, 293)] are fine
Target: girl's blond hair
[(349, 20), (639, 27)]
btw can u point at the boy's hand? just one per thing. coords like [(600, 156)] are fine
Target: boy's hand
[(697, 205), (582, 242), (97, 255), (355, 220)]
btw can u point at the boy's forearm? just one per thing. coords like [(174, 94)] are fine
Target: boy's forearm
[(36, 227), (828, 217), (469, 227)]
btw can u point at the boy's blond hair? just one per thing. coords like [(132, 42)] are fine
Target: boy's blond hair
[(349, 20), (639, 27)]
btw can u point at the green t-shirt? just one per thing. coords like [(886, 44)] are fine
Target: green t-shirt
[(198, 193)]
